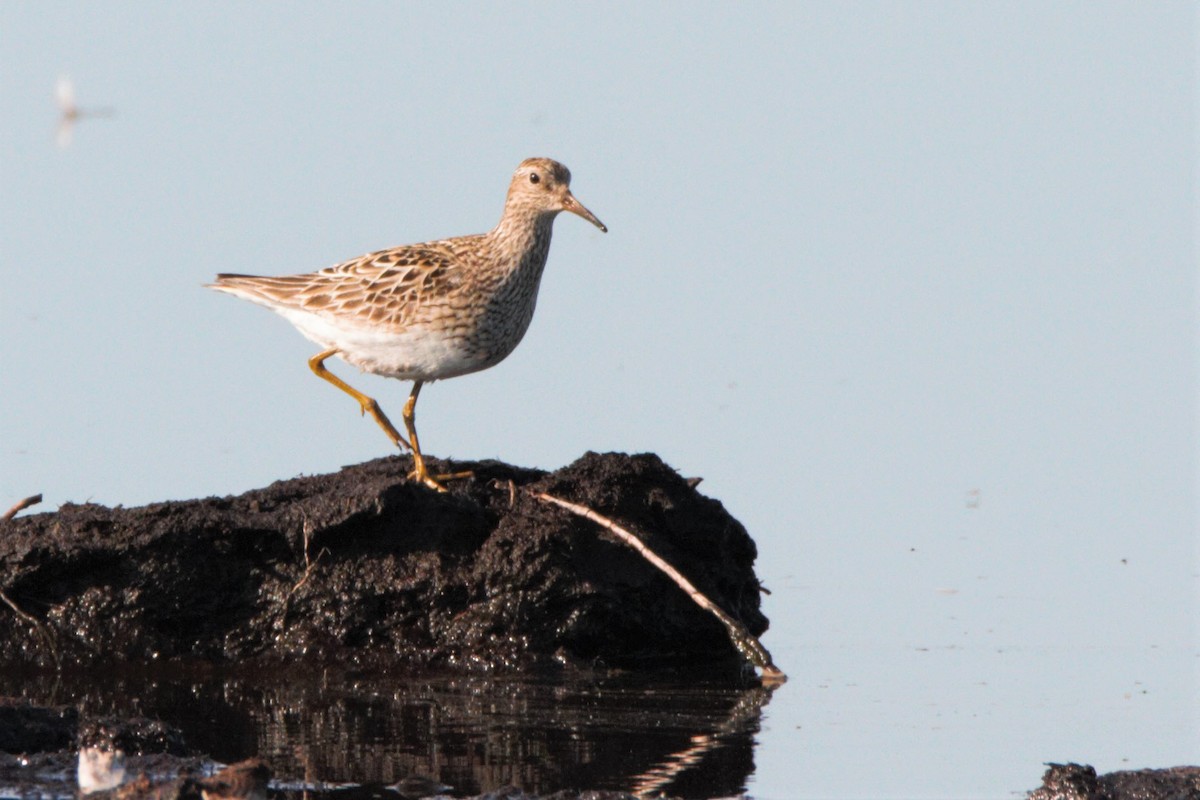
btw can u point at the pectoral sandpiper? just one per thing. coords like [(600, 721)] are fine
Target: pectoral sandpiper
[(428, 311)]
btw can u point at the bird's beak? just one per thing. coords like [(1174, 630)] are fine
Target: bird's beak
[(569, 203)]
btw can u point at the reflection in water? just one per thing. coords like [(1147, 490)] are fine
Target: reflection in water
[(687, 738)]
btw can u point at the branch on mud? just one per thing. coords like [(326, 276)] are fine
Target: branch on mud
[(20, 506), (309, 565), (745, 642), (43, 632)]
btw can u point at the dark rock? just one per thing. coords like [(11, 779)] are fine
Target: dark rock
[(364, 567), (1080, 782)]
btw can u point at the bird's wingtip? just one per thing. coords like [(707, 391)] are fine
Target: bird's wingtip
[(225, 279)]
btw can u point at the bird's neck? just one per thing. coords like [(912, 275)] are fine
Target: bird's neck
[(523, 236)]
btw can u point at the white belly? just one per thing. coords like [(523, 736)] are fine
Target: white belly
[(417, 354)]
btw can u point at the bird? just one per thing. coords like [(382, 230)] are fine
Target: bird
[(428, 311), (64, 92)]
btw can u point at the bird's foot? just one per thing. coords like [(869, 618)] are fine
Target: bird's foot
[(422, 475)]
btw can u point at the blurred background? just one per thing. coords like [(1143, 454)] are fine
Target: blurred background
[(911, 286)]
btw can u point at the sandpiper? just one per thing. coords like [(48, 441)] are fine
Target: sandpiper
[(424, 312)]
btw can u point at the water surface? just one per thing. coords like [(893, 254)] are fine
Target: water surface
[(686, 738)]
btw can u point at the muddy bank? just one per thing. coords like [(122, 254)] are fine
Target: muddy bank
[(362, 567), (1080, 782)]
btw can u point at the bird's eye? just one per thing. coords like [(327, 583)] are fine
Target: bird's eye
[(534, 177)]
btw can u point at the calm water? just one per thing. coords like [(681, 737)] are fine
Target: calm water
[(474, 734), (853, 721)]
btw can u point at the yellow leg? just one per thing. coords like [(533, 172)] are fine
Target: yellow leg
[(368, 405), (420, 473)]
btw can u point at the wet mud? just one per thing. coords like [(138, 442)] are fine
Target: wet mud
[(1080, 782), (363, 568)]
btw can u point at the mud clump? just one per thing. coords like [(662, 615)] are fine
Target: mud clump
[(364, 567), (1080, 782)]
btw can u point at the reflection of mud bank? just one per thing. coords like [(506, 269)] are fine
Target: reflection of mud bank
[(364, 567), (475, 734), (1080, 782)]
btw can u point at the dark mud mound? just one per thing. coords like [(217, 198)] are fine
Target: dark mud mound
[(363, 567), (1080, 782)]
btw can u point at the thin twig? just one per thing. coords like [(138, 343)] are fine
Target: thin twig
[(309, 566), (43, 633), (509, 484), (308, 570), (742, 639), (21, 505), (17, 610)]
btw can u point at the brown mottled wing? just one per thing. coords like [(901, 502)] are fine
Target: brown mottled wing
[(388, 288)]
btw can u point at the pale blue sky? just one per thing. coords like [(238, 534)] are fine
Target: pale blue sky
[(864, 259)]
